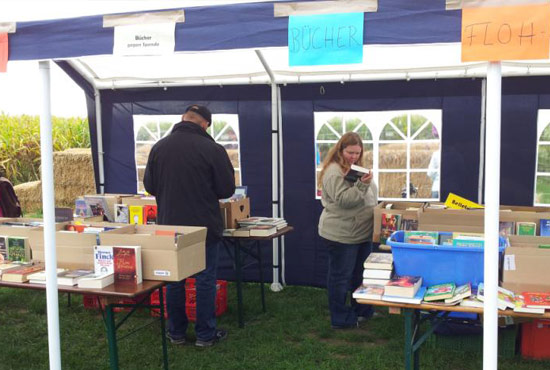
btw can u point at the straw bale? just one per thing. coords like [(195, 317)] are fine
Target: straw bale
[(30, 196)]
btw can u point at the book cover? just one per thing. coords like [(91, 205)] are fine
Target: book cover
[(409, 224), (40, 276), (18, 249), (21, 274), (99, 207), (81, 208), (544, 227), (468, 243), (421, 237), (522, 307), (122, 213), (461, 292), (127, 264), (103, 259), (242, 231), (506, 228), (389, 224), (445, 238), (71, 277), (356, 172), (536, 300), (369, 291), (262, 230), (526, 228), (439, 292), (377, 274), (381, 261), (403, 286), (150, 214), (96, 281), (136, 215), (505, 297), (3, 249), (415, 299), (369, 281)]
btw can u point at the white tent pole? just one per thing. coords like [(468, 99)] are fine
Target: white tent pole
[(48, 209), (99, 131), (482, 141), (281, 179), (492, 200)]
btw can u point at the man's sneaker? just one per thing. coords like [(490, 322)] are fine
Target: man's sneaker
[(180, 341), (218, 336)]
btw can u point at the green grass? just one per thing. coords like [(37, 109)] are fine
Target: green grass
[(294, 334)]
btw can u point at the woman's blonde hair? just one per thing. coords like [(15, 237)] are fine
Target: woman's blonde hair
[(335, 153)]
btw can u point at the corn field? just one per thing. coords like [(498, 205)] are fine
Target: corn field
[(20, 143)]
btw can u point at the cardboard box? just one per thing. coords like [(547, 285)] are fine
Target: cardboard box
[(233, 211), (526, 265), (162, 258), (138, 200), (398, 208)]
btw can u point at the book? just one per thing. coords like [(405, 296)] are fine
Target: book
[(242, 231), (409, 224), (21, 274), (99, 206), (81, 208), (416, 299), (403, 286), (96, 281), (18, 249), (377, 274), (127, 264), (445, 238), (7, 265), (471, 302), (526, 228), (71, 277), (150, 214), (103, 259), (369, 291), (40, 276), (461, 292), (522, 307), (544, 227), (262, 230), (468, 243), (173, 233), (421, 237), (3, 249), (136, 215), (122, 213), (439, 292), (369, 281), (506, 228), (356, 172), (390, 223), (505, 297), (536, 300), (380, 261), (465, 235)]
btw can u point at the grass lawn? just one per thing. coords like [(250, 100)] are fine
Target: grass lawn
[(294, 334)]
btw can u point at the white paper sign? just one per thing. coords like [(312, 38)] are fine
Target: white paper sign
[(145, 39), (510, 262)]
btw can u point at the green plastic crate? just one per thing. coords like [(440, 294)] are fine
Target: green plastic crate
[(474, 343)]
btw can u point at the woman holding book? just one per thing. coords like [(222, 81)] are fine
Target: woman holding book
[(346, 226)]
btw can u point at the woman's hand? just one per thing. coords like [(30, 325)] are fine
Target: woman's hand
[(366, 178)]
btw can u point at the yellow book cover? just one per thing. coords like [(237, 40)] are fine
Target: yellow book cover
[(136, 215), (455, 202)]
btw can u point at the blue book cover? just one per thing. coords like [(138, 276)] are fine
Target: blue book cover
[(544, 227)]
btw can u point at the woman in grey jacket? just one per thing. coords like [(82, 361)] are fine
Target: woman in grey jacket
[(346, 227)]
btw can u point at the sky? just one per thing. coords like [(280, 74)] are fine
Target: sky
[(20, 87)]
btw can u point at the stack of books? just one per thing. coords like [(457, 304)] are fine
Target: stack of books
[(378, 268), (259, 226), (404, 289)]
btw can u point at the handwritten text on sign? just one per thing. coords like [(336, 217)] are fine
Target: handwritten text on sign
[(325, 39), (505, 33)]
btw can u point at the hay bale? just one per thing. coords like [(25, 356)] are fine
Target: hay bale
[(30, 196)]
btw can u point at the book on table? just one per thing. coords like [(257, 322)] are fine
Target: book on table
[(505, 297), (96, 281), (71, 277), (103, 259), (522, 307), (379, 261), (242, 231), (536, 299), (439, 292), (544, 227), (403, 286), (370, 281), (40, 276), (262, 230), (6, 265), (377, 274), (122, 213), (526, 228), (416, 299), (18, 249), (127, 264), (21, 274), (461, 292), (368, 291)]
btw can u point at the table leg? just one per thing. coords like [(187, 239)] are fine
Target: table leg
[(163, 329), (111, 337), (408, 312), (261, 275), (238, 272)]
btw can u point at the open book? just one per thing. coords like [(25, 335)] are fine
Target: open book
[(356, 172)]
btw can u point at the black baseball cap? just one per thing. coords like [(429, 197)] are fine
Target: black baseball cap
[(202, 111)]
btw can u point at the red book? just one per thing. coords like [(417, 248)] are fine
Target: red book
[(127, 264), (150, 214), (536, 300)]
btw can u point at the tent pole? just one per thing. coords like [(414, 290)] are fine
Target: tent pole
[(99, 132), (281, 179), (492, 200), (48, 209), (482, 141)]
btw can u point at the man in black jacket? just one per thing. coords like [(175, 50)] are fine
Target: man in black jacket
[(188, 172)]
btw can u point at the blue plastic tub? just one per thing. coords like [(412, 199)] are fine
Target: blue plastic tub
[(438, 264)]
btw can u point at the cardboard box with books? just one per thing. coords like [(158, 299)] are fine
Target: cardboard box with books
[(407, 212), (168, 253), (525, 267), (233, 211)]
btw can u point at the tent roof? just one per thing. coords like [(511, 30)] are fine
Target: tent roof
[(245, 44)]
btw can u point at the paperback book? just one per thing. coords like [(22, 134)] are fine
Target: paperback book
[(389, 223), (81, 208), (3, 249), (356, 172), (461, 292), (136, 215), (99, 207), (415, 299), (369, 281), (536, 300), (96, 281), (40, 276), (439, 292), (71, 277), (526, 228), (403, 286), (522, 307), (421, 237), (103, 259), (369, 291), (150, 214), (127, 264), (18, 249), (122, 213), (21, 274), (377, 274), (409, 224), (380, 261), (544, 227)]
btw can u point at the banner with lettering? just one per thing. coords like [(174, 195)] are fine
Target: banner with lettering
[(505, 33), (325, 39), (144, 39)]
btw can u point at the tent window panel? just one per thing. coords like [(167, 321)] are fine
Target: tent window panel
[(322, 151), (393, 156), (368, 159), (421, 154), (364, 132), (337, 125), (391, 184), (142, 153), (140, 186), (545, 134), (351, 124), (389, 133), (401, 123), (427, 133), (422, 184), (326, 134), (543, 190), (543, 163), (417, 121)]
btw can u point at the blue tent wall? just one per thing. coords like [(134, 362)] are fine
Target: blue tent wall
[(460, 101)]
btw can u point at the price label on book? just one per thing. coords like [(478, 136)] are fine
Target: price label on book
[(505, 33)]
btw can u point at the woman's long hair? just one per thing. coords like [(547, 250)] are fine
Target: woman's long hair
[(335, 153)]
